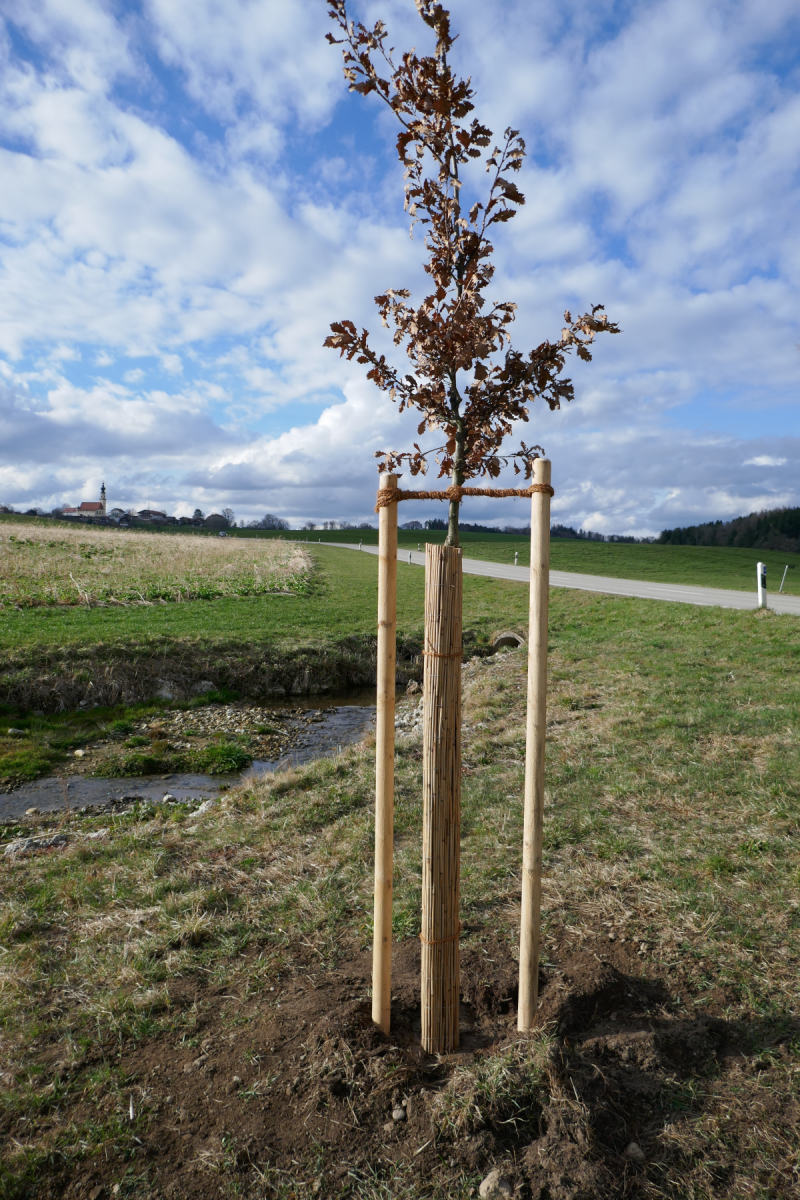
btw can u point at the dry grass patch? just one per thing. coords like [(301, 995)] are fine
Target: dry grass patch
[(94, 567)]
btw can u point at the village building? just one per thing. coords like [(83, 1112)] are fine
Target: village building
[(96, 509), (89, 508)]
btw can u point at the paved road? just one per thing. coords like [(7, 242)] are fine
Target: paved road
[(679, 592)]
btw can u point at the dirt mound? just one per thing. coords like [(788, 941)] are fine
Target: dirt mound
[(585, 988), (615, 1068), (294, 1091)]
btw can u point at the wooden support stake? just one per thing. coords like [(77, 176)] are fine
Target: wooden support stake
[(441, 795), (530, 925), (384, 761)]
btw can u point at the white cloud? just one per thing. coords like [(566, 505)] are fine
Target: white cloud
[(764, 460), (172, 364), (248, 63)]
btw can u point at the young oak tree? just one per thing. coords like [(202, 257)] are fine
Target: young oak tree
[(467, 380)]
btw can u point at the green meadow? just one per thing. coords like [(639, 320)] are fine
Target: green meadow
[(706, 566), (339, 602)]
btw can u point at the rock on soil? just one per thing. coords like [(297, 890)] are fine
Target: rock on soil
[(407, 719), (495, 1186), (30, 845), (205, 807)]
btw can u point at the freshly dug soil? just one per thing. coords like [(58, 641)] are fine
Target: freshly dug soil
[(297, 1086)]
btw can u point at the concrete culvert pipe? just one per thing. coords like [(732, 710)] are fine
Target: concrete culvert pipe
[(506, 639)]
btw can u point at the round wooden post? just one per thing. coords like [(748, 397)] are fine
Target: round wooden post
[(530, 925), (384, 761), (441, 794)]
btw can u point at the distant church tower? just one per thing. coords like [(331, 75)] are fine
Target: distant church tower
[(103, 498)]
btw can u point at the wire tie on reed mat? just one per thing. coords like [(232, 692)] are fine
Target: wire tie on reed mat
[(441, 941)]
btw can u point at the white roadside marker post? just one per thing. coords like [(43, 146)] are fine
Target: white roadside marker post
[(761, 574)]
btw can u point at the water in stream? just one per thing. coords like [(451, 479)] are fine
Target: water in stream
[(334, 725)]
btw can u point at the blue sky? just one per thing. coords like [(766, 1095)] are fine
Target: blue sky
[(190, 196)]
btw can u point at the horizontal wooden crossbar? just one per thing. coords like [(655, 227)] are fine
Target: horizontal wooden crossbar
[(387, 496)]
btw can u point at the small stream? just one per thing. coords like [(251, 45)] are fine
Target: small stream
[(333, 726)]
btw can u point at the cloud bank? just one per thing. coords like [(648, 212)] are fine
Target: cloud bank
[(192, 197)]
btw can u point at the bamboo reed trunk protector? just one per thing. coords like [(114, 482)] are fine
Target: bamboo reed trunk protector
[(384, 761), (530, 925), (441, 794)]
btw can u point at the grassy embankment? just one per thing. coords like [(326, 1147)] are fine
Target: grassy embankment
[(671, 845)]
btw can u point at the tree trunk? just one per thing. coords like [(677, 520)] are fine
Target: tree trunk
[(452, 538), (456, 477)]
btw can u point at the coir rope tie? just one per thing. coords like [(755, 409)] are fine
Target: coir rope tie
[(441, 941), (387, 496), (436, 654)]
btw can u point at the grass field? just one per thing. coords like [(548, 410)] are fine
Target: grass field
[(706, 566), (340, 601), (671, 851), (89, 566)]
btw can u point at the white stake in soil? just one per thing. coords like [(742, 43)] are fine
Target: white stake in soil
[(530, 923), (384, 761)]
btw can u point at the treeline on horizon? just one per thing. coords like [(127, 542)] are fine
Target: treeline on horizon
[(775, 529)]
